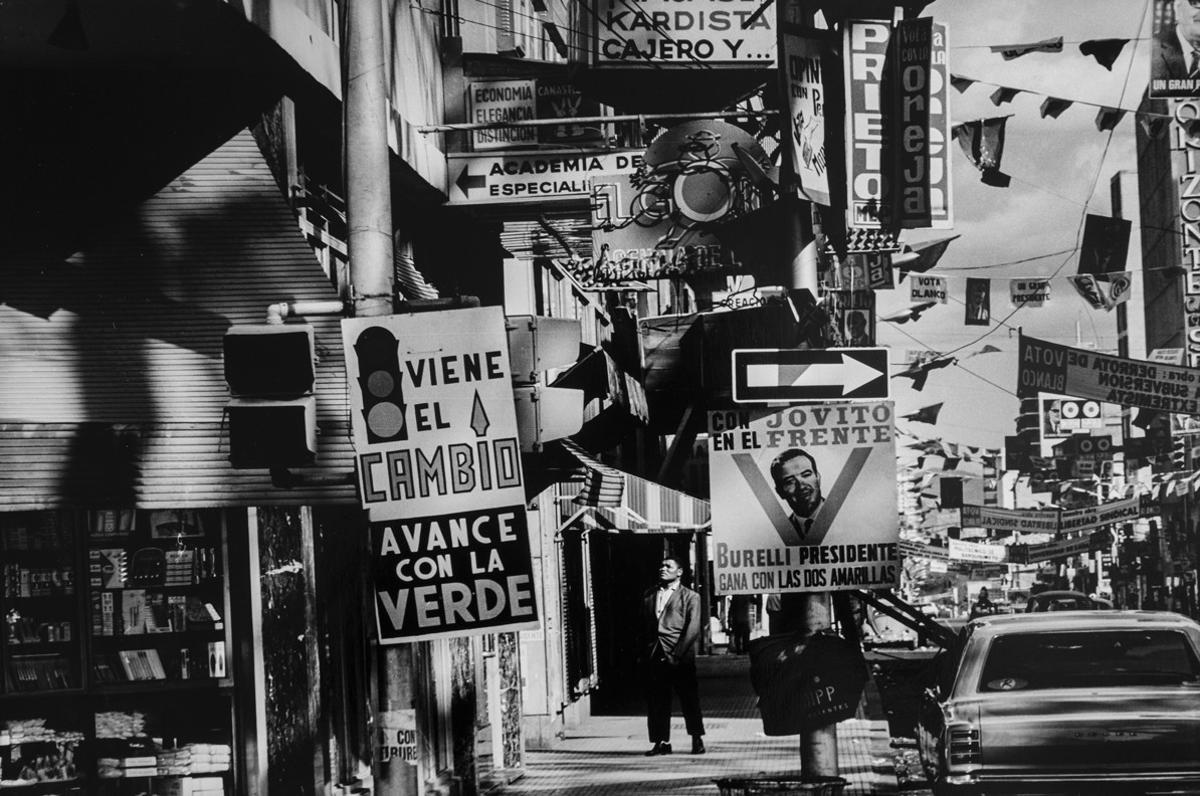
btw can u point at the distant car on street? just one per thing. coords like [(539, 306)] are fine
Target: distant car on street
[(1089, 702), (1064, 601)]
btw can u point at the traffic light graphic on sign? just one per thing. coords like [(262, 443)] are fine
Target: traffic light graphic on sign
[(382, 385)]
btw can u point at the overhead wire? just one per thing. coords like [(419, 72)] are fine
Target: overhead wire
[(1078, 232)]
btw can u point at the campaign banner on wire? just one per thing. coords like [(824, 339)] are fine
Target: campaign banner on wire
[(439, 472), (1050, 367), (1010, 520), (1059, 548), (804, 498), (978, 551), (1089, 517)]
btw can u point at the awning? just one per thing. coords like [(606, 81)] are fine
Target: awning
[(621, 501), (599, 376)]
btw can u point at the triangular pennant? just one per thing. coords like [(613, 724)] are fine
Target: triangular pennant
[(1011, 51), (907, 314), (1105, 51), (1053, 107), (921, 257), (926, 414), (1108, 118), (1003, 95), (983, 143), (961, 83), (1091, 292), (987, 349), (1119, 285), (1153, 125)]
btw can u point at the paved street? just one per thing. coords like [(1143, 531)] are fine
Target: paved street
[(604, 755)]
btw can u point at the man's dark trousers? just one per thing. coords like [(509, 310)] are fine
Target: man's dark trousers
[(663, 677)]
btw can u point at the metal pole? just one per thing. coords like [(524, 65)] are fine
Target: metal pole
[(369, 218), (629, 117), (818, 747), (368, 180)]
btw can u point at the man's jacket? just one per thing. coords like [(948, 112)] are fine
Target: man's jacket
[(676, 632)]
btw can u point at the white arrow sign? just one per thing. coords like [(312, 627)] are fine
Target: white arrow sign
[(850, 373)]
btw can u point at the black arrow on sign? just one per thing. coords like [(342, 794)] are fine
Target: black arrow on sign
[(466, 181)]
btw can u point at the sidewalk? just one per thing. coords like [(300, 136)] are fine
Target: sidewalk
[(605, 755)]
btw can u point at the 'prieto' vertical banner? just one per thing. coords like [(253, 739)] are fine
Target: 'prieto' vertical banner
[(865, 48)]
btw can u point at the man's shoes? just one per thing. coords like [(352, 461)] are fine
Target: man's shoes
[(698, 745), (659, 748)]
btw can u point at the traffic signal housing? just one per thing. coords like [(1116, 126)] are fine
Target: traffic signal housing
[(271, 370), (382, 384)]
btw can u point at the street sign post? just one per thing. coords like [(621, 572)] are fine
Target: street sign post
[(771, 375), (514, 177)]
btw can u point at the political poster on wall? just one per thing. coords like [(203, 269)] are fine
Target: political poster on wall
[(439, 473), (1049, 367), (803, 75), (1171, 71), (702, 31), (804, 499)]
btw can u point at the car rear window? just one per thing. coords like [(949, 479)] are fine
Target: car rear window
[(1088, 659)]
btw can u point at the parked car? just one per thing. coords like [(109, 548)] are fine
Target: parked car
[(1064, 601), (1083, 702)]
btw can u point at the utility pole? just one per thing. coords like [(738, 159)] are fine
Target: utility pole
[(369, 218), (818, 747)]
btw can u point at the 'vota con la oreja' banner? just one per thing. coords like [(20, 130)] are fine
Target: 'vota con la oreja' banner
[(922, 125), (868, 178)]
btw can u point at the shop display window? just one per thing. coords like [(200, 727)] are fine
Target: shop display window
[(116, 677)]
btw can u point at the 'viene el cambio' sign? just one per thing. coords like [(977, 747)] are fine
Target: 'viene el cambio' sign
[(439, 472)]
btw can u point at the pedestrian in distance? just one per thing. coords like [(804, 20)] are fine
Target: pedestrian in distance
[(671, 621), (741, 618), (983, 604)]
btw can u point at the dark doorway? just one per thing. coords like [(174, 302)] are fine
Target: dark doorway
[(624, 566)]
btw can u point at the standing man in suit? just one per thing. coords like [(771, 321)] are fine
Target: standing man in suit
[(671, 621)]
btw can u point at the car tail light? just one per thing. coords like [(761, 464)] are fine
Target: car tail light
[(963, 749)]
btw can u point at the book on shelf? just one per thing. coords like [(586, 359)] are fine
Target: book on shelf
[(142, 664), (133, 611), (38, 673)]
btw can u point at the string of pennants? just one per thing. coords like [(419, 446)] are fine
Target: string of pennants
[(1101, 279), (982, 140)]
